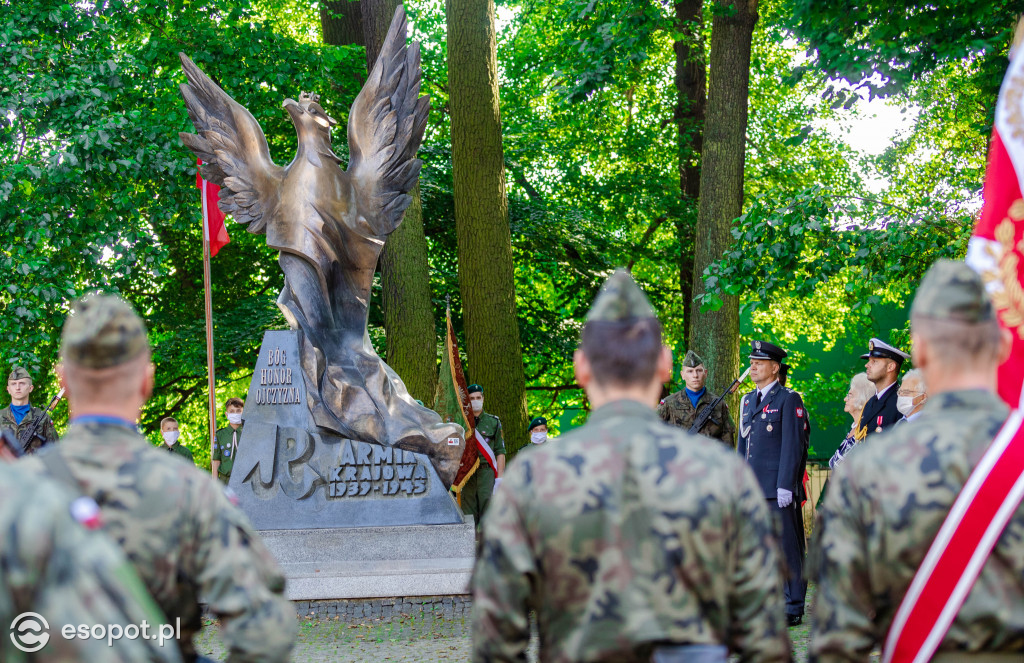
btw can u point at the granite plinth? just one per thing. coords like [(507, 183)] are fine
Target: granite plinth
[(369, 562), (291, 474)]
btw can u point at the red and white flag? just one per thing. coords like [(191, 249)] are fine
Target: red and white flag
[(995, 489), (214, 229)]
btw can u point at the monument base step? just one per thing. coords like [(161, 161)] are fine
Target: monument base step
[(374, 562)]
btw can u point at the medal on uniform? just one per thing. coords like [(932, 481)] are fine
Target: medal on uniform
[(879, 422), (769, 428), (764, 416)]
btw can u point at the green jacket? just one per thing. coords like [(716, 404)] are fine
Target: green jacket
[(885, 505), (46, 430), (625, 535), (185, 539), (490, 427), (679, 411), (179, 449), (223, 449)]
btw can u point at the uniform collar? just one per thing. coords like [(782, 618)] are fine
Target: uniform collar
[(623, 408), (767, 390), (964, 399), (881, 394)]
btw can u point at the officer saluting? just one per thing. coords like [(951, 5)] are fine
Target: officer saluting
[(883, 367), (773, 426)]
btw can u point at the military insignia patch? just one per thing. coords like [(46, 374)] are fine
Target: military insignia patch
[(871, 346), (86, 512), (757, 345), (799, 412)]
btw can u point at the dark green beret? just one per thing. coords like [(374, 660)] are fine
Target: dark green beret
[(537, 421), (475, 389)]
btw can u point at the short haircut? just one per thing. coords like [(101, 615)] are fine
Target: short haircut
[(862, 389), (234, 401), (168, 420), (915, 374), (622, 353), (111, 384), (960, 342)]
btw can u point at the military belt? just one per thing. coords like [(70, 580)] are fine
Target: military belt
[(977, 657), (690, 654)]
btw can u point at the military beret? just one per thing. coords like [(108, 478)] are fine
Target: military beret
[(537, 421), (102, 331), (951, 290), (620, 299), (766, 350), (692, 360), (19, 373), (474, 389), (878, 348)]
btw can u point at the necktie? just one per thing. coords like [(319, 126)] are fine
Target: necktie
[(757, 401), (234, 443)]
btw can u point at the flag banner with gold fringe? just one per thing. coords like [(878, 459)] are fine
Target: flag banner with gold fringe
[(451, 401)]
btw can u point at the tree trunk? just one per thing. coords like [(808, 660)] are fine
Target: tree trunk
[(404, 273), (481, 216), (341, 22), (715, 334), (691, 81)]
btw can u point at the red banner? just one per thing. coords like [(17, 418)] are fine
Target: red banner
[(214, 229)]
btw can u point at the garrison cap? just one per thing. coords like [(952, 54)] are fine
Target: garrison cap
[(951, 290), (692, 360), (878, 348), (537, 421), (474, 389), (102, 331), (766, 350), (18, 373), (620, 299)]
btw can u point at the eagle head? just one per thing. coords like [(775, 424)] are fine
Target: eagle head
[(309, 117)]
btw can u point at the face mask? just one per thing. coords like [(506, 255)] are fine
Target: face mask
[(538, 438), (904, 404), (478, 406), (235, 417), (170, 437)]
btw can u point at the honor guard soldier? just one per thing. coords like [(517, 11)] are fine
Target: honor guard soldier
[(773, 439), (631, 540), (23, 418), (682, 407), (476, 494), (883, 368), (881, 556), (175, 524)]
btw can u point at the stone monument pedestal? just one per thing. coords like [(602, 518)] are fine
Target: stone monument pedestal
[(344, 518)]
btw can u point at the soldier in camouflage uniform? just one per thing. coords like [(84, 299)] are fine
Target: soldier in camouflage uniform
[(889, 498), (681, 408), (58, 569), (629, 538), (476, 494), (177, 526), (20, 415)]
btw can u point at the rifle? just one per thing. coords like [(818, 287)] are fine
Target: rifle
[(705, 414), (30, 433), (9, 444)]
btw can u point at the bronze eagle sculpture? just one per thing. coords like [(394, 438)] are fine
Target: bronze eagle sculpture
[(329, 226)]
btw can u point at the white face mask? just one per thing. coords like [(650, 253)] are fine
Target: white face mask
[(478, 406), (235, 417), (539, 437), (904, 404), (170, 437)]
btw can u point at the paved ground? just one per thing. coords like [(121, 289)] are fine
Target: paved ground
[(404, 638)]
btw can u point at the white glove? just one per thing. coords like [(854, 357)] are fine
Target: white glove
[(785, 497), (497, 482)]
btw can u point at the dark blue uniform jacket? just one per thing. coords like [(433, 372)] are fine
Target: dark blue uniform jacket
[(774, 438)]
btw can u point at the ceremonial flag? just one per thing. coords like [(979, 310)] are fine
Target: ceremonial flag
[(214, 229), (995, 489), (451, 401)]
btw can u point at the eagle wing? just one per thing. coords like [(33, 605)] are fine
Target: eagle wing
[(385, 129), (233, 149)]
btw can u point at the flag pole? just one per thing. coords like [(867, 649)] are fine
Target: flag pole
[(209, 319)]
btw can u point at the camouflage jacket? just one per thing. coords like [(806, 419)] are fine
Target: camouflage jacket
[(679, 411), (69, 576), (184, 537), (885, 504), (46, 431), (627, 534)]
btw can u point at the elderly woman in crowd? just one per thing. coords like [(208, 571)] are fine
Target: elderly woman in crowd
[(861, 390)]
